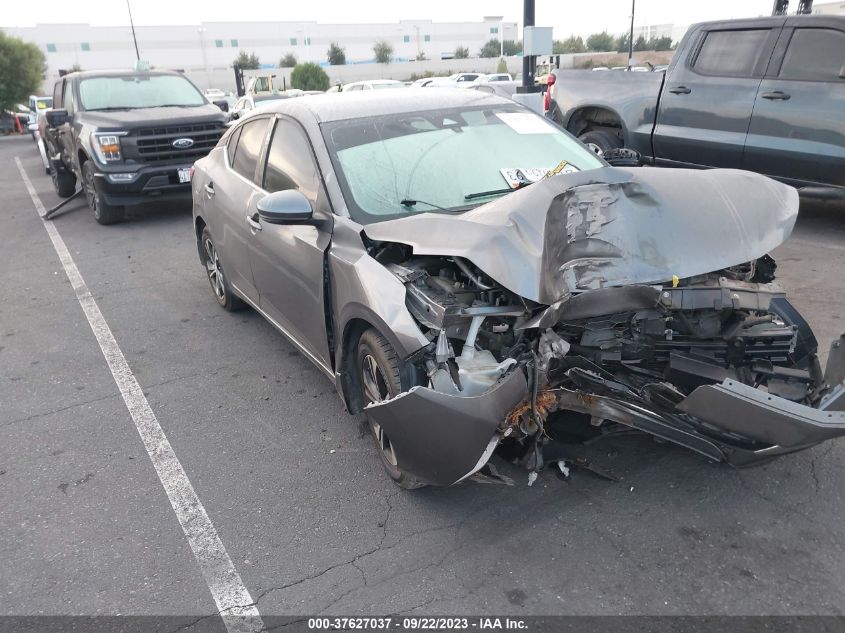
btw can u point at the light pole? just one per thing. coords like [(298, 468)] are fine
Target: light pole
[(631, 36), (132, 24)]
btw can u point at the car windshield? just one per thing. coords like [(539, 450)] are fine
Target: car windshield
[(445, 161), (398, 84), (138, 91)]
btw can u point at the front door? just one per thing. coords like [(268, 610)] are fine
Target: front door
[(288, 260), (797, 130), (707, 98)]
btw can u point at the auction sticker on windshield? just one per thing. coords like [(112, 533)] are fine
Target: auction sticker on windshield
[(184, 174), (519, 176), (526, 123)]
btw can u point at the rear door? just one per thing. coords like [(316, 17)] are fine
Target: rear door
[(287, 259), (230, 193), (797, 130), (707, 99)]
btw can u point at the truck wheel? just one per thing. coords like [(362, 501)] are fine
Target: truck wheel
[(380, 378), (64, 182), (600, 141), (104, 212)]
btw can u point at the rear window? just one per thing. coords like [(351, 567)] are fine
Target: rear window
[(129, 92), (731, 53), (814, 54)]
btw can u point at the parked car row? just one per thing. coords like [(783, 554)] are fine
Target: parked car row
[(469, 275)]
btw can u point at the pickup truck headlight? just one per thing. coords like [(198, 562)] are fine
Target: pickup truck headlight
[(107, 146)]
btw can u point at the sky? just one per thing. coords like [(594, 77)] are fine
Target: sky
[(567, 17)]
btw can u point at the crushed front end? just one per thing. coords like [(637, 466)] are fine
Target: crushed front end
[(718, 362)]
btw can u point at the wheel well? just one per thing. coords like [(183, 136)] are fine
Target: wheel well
[(349, 377), (595, 118), (200, 225), (81, 157)]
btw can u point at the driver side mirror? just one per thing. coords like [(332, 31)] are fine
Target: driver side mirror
[(222, 104), (57, 117), (285, 207)]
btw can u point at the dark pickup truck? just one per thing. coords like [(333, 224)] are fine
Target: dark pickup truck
[(129, 137), (765, 94)]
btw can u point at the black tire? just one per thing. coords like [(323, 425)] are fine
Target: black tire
[(227, 299), (64, 182), (600, 139), (104, 212), (380, 376)]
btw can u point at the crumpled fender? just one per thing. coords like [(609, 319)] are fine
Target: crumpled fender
[(440, 438)]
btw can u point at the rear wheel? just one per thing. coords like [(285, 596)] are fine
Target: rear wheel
[(104, 212), (380, 376), (64, 182), (214, 269), (600, 141)]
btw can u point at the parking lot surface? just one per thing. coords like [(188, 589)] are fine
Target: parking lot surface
[(293, 485)]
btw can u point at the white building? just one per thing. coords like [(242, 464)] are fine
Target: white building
[(830, 8), (210, 47)]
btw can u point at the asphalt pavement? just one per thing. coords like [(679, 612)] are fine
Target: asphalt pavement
[(293, 485)]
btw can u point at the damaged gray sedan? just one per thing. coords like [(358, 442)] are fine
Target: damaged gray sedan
[(471, 278)]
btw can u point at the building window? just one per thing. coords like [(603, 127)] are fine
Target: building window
[(494, 29), (51, 48), (234, 43), (406, 38), (218, 43), (428, 38), (293, 41), (85, 46)]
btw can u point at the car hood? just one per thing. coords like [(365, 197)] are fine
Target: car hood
[(150, 117), (608, 227)]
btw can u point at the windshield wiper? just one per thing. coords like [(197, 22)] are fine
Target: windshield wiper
[(495, 192), (407, 202), (110, 109)]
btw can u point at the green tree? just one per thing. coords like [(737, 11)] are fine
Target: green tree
[(383, 51), (309, 76), (622, 43), (336, 54), (502, 66), (247, 61), (601, 42), (572, 44), (660, 43), (640, 44), (462, 52), (491, 48), (287, 61), (21, 71), (512, 48), (421, 56)]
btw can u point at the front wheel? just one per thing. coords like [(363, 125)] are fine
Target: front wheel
[(380, 378), (104, 212), (214, 269), (64, 182)]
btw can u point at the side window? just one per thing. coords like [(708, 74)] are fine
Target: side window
[(731, 53), (232, 145), (249, 147), (817, 54), (290, 163), (67, 98), (57, 94)]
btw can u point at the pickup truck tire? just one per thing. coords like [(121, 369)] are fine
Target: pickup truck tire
[(104, 212), (64, 182), (604, 141)]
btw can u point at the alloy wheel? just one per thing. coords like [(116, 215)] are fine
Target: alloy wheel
[(375, 390), (214, 270)]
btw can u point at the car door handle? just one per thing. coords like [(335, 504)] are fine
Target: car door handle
[(209, 189), (777, 95), (253, 222), (680, 90)]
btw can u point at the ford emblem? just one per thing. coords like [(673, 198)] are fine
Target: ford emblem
[(182, 143)]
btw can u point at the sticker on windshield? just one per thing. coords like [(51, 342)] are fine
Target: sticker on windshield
[(526, 123), (520, 176)]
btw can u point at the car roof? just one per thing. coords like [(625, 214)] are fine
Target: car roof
[(343, 106), (122, 72)]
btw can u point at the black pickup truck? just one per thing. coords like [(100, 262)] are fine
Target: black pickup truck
[(129, 137), (765, 94)]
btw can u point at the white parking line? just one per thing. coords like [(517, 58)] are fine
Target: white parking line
[(232, 597)]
